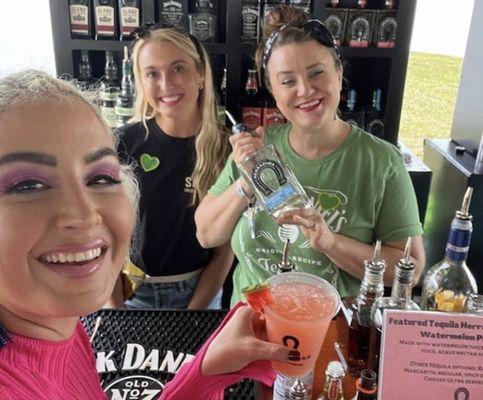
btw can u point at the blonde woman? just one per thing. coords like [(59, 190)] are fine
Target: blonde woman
[(179, 149)]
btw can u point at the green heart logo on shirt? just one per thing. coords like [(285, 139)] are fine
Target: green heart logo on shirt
[(328, 201), (149, 163)]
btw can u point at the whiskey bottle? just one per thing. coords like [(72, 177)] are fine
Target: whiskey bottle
[(303, 5), (271, 114), (80, 21), (374, 117), (372, 288), (172, 12), (366, 386), (474, 304), (333, 382), (250, 23), (85, 71), (125, 102), (251, 104), (109, 90), (129, 17), (105, 19), (203, 22), (400, 300), (448, 283)]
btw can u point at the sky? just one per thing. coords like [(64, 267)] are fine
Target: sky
[(440, 27)]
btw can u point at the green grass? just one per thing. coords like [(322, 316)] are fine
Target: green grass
[(430, 92)]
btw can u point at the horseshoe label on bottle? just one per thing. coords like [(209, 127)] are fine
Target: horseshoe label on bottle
[(257, 175)]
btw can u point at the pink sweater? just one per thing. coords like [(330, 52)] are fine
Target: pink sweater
[(40, 369)]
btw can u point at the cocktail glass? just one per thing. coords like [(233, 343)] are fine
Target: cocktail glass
[(298, 317)]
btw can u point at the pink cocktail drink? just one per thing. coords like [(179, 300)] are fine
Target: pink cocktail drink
[(299, 316)]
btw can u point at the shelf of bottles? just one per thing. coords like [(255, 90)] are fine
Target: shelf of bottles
[(364, 29)]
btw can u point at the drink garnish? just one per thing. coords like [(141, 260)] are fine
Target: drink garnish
[(258, 295)]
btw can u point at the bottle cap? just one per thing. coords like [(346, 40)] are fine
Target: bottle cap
[(335, 369), (298, 391), (376, 266), (465, 206), (405, 267), (368, 379)]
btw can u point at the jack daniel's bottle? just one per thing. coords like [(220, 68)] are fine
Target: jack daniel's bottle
[(172, 12), (252, 110), (125, 102), (203, 22), (447, 284), (400, 300), (372, 288)]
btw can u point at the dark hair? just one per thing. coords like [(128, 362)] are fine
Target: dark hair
[(286, 25)]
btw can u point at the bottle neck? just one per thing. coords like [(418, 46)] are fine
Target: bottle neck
[(403, 283), (372, 285), (459, 239)]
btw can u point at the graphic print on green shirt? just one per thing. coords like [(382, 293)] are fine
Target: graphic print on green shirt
[(362, 190)]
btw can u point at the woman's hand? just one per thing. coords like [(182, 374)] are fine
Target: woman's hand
[(313, 227), (240, 343), (244, 144)]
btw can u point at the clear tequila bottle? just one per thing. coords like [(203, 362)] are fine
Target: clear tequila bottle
[(372, 288), (271, 180), (447, 284), (109, 90), (401, 299), (125, 102), (333, 382)]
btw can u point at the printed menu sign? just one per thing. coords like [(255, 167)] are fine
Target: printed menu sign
[(431, 355)]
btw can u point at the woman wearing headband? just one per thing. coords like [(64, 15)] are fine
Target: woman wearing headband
[(358, 184), (179, 149), (67, 212)]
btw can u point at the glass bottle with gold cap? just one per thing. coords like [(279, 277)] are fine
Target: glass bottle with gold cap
[(448, 284)]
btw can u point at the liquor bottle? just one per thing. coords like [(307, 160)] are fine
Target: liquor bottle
[(172, 12), (351, 100), (400, 300), (250, 23), (333, 382), (105, 19), (374, 117), (221, 106), (252, 111), (129, 17), (268, 6), (474, 304), (85, 71), (109, 90), (283, 385), (448, 283), (125, 102), (372, 288), (271, 114), (274, 184), (303, 5), (80, 21), (203, 22), (366, 386)]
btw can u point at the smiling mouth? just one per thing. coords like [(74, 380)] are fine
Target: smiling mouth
[(75, 258), (309, 105), (170, 100)]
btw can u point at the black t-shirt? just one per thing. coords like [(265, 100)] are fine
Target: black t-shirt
[(166, 236)]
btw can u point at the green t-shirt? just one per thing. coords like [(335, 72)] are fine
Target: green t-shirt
[(363, 191)]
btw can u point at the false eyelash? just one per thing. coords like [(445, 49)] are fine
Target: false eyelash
[(4, 336)]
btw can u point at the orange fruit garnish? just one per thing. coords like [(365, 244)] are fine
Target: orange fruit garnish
[(258, 295)]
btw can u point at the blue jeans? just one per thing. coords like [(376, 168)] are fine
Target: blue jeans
[(169, 295)]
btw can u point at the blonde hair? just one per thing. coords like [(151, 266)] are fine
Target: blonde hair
[(211, 145), (36, 87)]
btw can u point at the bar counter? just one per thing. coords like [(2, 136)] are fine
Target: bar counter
[(143, 349)]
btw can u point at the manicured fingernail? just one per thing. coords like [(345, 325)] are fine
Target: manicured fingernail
[(294, 355)]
